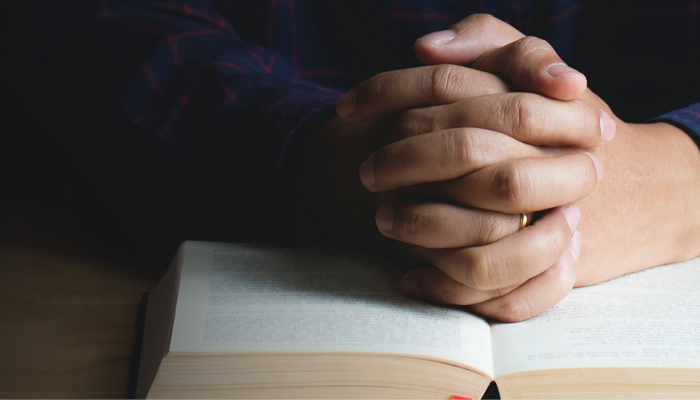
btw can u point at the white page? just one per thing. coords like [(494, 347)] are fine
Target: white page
[(646, 319), (243, 298)]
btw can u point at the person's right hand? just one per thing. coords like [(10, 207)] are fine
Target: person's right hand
[(647, 210)]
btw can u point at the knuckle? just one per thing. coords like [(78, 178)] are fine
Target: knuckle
[(459, 141), (415, 224), (478, 270), (469, 150), (505, 290), (443, 296), (514, 310), (526, 118), (376, 85), (492, 229), (554, 239), (588, 115), (445, 82), (486, 21), (514, 186), (529, 44)]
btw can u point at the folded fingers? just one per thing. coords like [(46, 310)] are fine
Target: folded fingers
[(508, 304), (439, 156), (538, 293), (511, 260), (521, 185), (527, 117), (394, 91), (440, 225)]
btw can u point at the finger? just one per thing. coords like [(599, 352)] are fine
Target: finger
[(511, 260), (439, 156), (537, 294), (517, 186), (491, 45), (394, 91), (512, 303), (465, 41), (434, 285), (440, 225), (533, 66), (527, 117)]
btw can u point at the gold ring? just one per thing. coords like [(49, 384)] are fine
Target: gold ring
[(523, 221)]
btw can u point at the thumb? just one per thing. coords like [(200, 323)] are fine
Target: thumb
[(492, 46), (466, 41)]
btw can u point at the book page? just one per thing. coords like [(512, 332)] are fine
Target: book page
[(647, 319), (254, 298)]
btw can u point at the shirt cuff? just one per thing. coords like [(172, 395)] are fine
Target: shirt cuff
[(687, 119)]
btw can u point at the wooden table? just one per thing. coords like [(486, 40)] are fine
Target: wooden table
[(67, 317)]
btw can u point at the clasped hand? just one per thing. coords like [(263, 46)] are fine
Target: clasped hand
[(454, 154)]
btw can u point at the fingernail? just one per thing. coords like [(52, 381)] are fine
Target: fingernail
[(385, 218), (573, 216), (367, 173), (598, 166), (346, 104), (607, 127), (557, 70), (439, 38), (409, 287), (575, 245)]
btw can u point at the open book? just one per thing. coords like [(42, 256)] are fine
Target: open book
[(253, 321)]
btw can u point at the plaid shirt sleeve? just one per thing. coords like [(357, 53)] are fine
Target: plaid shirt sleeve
[(687, 118), (187, 77)]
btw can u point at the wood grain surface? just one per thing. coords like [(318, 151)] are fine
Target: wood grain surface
[(67, 316)]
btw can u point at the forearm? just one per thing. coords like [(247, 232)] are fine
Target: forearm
[(177, 71)]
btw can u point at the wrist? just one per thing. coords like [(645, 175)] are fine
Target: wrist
[(646, 210)]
